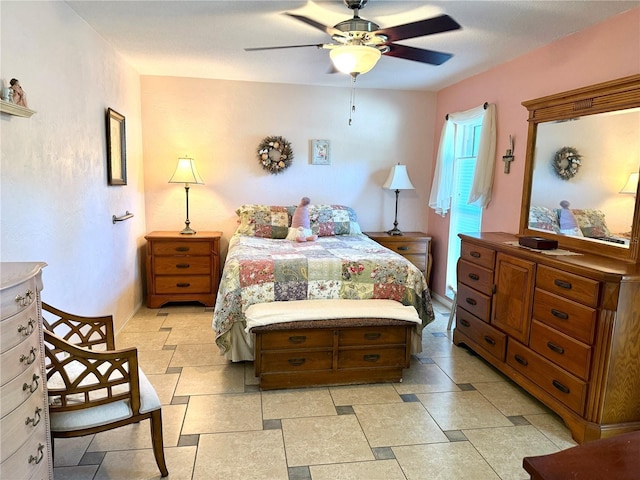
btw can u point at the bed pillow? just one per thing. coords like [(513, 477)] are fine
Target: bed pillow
[(544, 218), (330, 220), (591, 222), (268, 221)]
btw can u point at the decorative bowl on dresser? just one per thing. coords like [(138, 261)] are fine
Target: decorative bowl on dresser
[(25, 447), (182, 268)]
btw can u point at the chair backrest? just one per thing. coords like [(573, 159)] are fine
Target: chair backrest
[(94, 333), (79, 378)]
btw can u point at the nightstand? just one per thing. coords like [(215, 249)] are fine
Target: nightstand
[(182, 268), (414, 246)]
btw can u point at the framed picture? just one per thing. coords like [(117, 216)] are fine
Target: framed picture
[(320, 152), (116, 149)]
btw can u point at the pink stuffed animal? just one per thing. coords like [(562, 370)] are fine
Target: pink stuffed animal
[(300, 229)]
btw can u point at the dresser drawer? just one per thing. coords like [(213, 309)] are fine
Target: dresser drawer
[(293, 361), (474, 302), (568, 285), (304, 338), (561, 349), (18, 297), (180, 247), (191, 265), (29, 457), (477, 277), (485, 257), (360, 358), (565, 387), (19, 327), (15, 427), (487, 337), (15, 361), (372, 336), (569, 317), (13, 393), (183, 284)]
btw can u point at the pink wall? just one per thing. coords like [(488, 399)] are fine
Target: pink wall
[(603, 52)]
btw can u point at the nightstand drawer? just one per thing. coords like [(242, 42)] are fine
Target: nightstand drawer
[(406, 248), (183, 284), (191, 265), (181, 248)]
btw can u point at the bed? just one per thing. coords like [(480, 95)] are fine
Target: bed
[(288, 284)]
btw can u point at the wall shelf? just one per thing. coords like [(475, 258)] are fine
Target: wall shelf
[(13, 109)]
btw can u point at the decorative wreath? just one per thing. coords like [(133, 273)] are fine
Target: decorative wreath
[(275, 154), (567, 162)]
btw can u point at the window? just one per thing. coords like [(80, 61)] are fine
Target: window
[(464, 217)]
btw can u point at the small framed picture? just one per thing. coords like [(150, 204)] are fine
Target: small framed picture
[(320, 152), (116, 149)]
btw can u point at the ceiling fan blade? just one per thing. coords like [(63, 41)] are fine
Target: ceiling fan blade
[(443, 23), (254, 49), (326, 29), (417, 54)]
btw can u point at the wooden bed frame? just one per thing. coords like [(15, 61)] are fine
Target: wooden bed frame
[(331, 352)]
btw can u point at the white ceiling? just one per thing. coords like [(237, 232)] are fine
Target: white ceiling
[(206, 39)]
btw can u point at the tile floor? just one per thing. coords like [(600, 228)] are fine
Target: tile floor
[(453, 417)]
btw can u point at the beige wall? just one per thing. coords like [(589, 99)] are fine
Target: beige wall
[(56, 205), (221, 124)]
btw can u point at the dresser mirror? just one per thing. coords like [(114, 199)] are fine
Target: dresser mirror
[(583, 148)]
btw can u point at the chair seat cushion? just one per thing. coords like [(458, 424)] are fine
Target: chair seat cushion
[(103, 414)]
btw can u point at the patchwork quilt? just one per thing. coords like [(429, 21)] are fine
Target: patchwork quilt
[(259, 270)]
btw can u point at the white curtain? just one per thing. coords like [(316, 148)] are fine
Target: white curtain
[(440, 198)]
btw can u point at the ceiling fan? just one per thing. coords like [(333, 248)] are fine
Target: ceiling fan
[(357, 44)]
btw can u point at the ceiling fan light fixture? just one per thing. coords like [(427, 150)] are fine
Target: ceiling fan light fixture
[(355, 59)]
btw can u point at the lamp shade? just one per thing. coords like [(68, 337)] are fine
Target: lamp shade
[(186, 172), (354, 58), (631, 186), (398, 179)]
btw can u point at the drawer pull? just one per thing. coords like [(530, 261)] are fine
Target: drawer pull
[(471, 301), (562, 284), (474, 277), (520, 360), (183, 284), (29, 359), (28, 330), (475, 254), (372, 336), (555, 348), (464, 323), (26, 300), (489, 340), (559, 314), (40, 456), (371, 357), (36, 417), (182, 249), (183, 265), (298, 339), (403, 248), (34, 384), (297, 362), (561, 387)]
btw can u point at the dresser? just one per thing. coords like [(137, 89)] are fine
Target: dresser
[(25, 447), (414, 246), (566, 328), (182, 268)]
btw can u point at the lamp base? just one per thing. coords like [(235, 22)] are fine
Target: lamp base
[(188, 231), (394, 231)]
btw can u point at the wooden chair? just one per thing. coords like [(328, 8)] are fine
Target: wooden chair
[(92, 386)]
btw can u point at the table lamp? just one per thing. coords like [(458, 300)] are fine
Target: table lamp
[(186, 173), (397, 180)]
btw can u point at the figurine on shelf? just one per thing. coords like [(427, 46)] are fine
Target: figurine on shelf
[(19, 97)]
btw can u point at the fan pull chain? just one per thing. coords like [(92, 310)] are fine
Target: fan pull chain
[(352, 100)]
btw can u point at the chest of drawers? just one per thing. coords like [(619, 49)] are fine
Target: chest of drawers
[(565, 328), (25, 449), (182, 268)]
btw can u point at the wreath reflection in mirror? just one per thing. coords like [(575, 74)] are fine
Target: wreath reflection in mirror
[(275, 154), (567, 162)]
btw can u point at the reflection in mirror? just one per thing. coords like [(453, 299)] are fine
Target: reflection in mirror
[(606, 150)]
